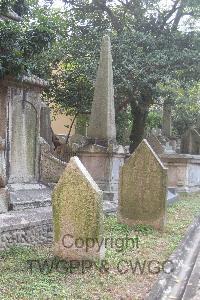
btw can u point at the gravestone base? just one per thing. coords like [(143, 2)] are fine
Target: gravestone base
[(157, 224), (103, 163), (25, 196)]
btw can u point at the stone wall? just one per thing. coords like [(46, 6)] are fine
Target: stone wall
[(51, 168), (31, 227)]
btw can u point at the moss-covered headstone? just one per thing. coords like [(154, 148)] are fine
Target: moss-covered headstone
[(143, 189), (77, 214)]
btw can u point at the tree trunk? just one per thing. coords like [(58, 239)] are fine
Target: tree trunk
[(139, 121)]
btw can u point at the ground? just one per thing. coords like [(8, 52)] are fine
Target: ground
[(126, 274)]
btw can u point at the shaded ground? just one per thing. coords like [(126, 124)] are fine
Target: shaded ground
[(126, 274)]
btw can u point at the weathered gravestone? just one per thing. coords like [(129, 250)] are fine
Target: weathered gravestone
[(143, 188), (167, 119), (190, 142), (77, 214)]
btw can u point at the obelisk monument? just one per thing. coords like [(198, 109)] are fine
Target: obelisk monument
[(102, 119), (102, 157)]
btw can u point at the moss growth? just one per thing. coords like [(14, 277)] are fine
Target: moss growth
[(17, 282), (78, 204)]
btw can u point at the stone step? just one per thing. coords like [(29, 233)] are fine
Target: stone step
[(108, 196), (28, 227), (26, 196), (109, 207), (32, 226)]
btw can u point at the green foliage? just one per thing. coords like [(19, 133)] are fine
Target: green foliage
[(22, 43), (154, 119), (148, 48), (186, 109), (144, 229), (81, 122), (151, 46), (123, 126)]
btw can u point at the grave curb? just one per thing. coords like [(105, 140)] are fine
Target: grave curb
[(172, 285)]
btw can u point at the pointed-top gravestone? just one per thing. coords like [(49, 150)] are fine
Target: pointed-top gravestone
[(143, 189), (102, 119), (77, 214)]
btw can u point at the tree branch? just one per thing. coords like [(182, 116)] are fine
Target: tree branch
[(178, 17), (170, 13), (101, 4)]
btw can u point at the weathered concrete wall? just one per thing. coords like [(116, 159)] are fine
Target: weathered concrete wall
[(183, 171)]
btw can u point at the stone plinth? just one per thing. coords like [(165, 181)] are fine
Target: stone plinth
[(103, 163), (143, 187), (77, 214), (183, 171)]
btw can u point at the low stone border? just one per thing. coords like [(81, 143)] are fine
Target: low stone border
[(28, 227), (171, 284)]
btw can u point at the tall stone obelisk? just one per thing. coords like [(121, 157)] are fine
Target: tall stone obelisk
[(102, 120), (102, 157)]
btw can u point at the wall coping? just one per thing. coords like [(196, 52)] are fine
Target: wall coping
[(32, 80), (185, 158)]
